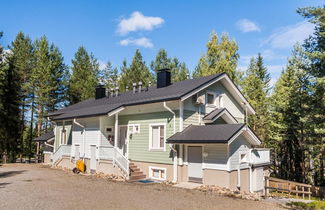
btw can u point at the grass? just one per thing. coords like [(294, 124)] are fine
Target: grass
[(312, 205), (286, 195)]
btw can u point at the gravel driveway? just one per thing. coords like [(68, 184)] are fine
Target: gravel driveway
[(24, 186)]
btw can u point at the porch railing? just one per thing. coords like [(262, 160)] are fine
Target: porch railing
[(106, 152), (122, 162), (63, 150), (260, 156)]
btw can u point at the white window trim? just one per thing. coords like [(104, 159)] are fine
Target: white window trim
[(133, 128), (150, 137), (61, 129), (214, 98), (158, 168)]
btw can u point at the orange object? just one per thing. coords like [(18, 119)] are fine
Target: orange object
[(80, 165)]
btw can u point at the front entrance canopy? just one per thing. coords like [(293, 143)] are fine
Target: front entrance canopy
[(213, 134), (45, 137)]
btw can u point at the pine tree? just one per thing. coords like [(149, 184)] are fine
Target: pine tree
[(289, 119), (48, 80), (10, 87), (135, 73), (22, 60), (109, 76), (178, 69), (315, 51), (221, 56), (256, 88), (84, 76)]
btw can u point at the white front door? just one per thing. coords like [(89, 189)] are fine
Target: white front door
[(93, 157), (122, 142), (195, 164)]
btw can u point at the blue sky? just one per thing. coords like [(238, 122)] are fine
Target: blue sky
[(112, 30)]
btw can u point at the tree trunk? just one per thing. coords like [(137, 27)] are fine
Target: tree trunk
[(31, 128)]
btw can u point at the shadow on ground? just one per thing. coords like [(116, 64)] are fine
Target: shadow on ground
[(2, 185), (10, 173)]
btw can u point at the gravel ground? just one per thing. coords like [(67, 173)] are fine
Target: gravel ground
[(31, 186)]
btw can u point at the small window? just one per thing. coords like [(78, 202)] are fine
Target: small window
[(157, 173), (243, 158), (210, 98), (157, 137)]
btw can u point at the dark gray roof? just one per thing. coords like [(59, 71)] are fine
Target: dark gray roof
[(220, 133), (213, 114), (93, 107), (45, 136)]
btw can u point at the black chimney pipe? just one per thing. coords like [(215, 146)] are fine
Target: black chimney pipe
[(100, 92), (163, 78)]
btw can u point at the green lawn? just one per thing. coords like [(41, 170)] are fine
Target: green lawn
[(312, 205)]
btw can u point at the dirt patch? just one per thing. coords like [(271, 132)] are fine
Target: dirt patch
[(57, 189)]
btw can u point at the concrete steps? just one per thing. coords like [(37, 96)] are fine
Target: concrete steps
[(135, 173)]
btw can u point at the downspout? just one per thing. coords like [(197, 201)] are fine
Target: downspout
[(171, 147), (83, 137)]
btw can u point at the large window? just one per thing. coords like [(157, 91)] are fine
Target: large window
[(63, 136), (157, 137)]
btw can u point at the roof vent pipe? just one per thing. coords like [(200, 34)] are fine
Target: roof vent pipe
[(116, 90), (127, 88), (140, 86), (112, 92), (187, 76), (134, 87)]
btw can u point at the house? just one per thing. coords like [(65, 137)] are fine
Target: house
[(45, 144), (188, 131)]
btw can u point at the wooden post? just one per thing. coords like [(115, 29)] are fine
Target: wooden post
[(297, 191), (267, 183), (303, 194), (309, 193), (289, 188)]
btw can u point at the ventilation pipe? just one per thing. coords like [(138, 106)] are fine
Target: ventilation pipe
[(112, 92), (127, 88), (134, 87), (140, 86), (116, 91), (171, 147)]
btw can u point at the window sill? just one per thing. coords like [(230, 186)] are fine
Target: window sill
[(156, 149)]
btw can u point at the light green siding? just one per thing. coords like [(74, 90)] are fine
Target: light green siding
[(139, 143), (59, 126), (190, 118)]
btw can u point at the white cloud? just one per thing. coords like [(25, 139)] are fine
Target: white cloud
[(246, 25), (137, 21), (286, 37), (141, 42)]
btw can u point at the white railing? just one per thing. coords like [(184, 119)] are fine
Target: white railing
[(63, 150), (260, 156), (106, 152), (121, 161)]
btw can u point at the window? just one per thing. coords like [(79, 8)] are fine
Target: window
[(109, 130), (220, 101), (63, 136), (134, 128), (157, 137), (157, 173), (243, 158), (210, 98)]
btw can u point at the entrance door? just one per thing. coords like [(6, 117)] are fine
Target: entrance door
[(195, 164), (92, 157), (123, 139)]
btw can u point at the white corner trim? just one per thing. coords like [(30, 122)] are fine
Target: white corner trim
[(251, 137), (115, 111)]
